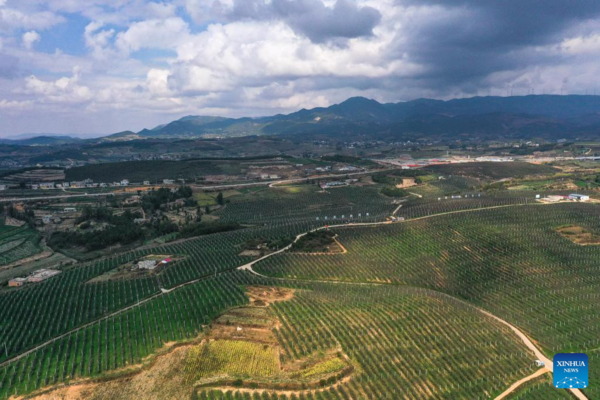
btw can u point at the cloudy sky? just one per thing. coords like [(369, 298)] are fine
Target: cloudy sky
[(102, 66)]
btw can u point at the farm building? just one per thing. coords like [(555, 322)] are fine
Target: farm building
[(47, 185), (579, 197), (16, 282), (70, 209), (125, 182), (168, 181), (147, 264), (146, 183), (43, 274)]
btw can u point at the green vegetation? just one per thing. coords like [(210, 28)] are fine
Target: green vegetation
[(139, 171), (17, 243), (392, 191), (356, 161), (121, 229), (234, 358), (201, 228), (316, 241), (404, 294), (493, 170)]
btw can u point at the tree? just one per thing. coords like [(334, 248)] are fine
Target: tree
[(220, 199)]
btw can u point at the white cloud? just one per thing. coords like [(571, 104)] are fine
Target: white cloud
[(63, 90), (157, 34), (157, 81), (29, 38), (12, 19), (15, 105)]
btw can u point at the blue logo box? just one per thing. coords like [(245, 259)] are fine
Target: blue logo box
[(571, 371)]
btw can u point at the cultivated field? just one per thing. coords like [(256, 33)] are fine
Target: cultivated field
[(397, 314)]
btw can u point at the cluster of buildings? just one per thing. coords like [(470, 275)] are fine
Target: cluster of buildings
[(559, 198), (327, 185), (87, 183), (38, 276)]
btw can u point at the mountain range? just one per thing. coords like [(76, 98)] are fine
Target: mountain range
[(541, 116), (358, 118)]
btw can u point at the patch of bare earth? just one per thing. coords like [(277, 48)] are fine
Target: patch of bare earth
[(161, 379), (262, 296), (579, 235)]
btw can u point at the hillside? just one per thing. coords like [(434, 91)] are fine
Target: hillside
[(520, 117)]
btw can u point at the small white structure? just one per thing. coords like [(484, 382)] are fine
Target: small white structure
[(579, 197), (125, 182), (43, 274), (540, 363), (168, 181), (147, 264), (70, 209), (146, 183)]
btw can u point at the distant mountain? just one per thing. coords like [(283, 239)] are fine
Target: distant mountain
[(544, 116), (41, 141)]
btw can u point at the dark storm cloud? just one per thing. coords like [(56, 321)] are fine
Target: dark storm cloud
[(471, 39), (320, 23), (311, 18)]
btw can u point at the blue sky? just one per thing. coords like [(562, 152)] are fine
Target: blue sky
[(102, 66)]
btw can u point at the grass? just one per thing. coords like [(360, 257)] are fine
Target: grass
[(324, 368), (233, 358)]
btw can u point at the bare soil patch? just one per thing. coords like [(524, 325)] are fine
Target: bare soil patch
[(579, 235), (262, 296)]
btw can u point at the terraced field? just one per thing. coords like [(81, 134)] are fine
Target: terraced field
[(17, 243), (401, 304)]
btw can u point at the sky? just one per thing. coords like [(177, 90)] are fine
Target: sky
[(104, 66)]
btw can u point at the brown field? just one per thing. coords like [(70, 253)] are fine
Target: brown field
[(579, 235)]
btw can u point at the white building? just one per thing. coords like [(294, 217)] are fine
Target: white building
[(168, 181), (579, 197), (147, 264), (125, 182)]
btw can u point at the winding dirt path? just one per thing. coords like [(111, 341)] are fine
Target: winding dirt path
[(515, 385)]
